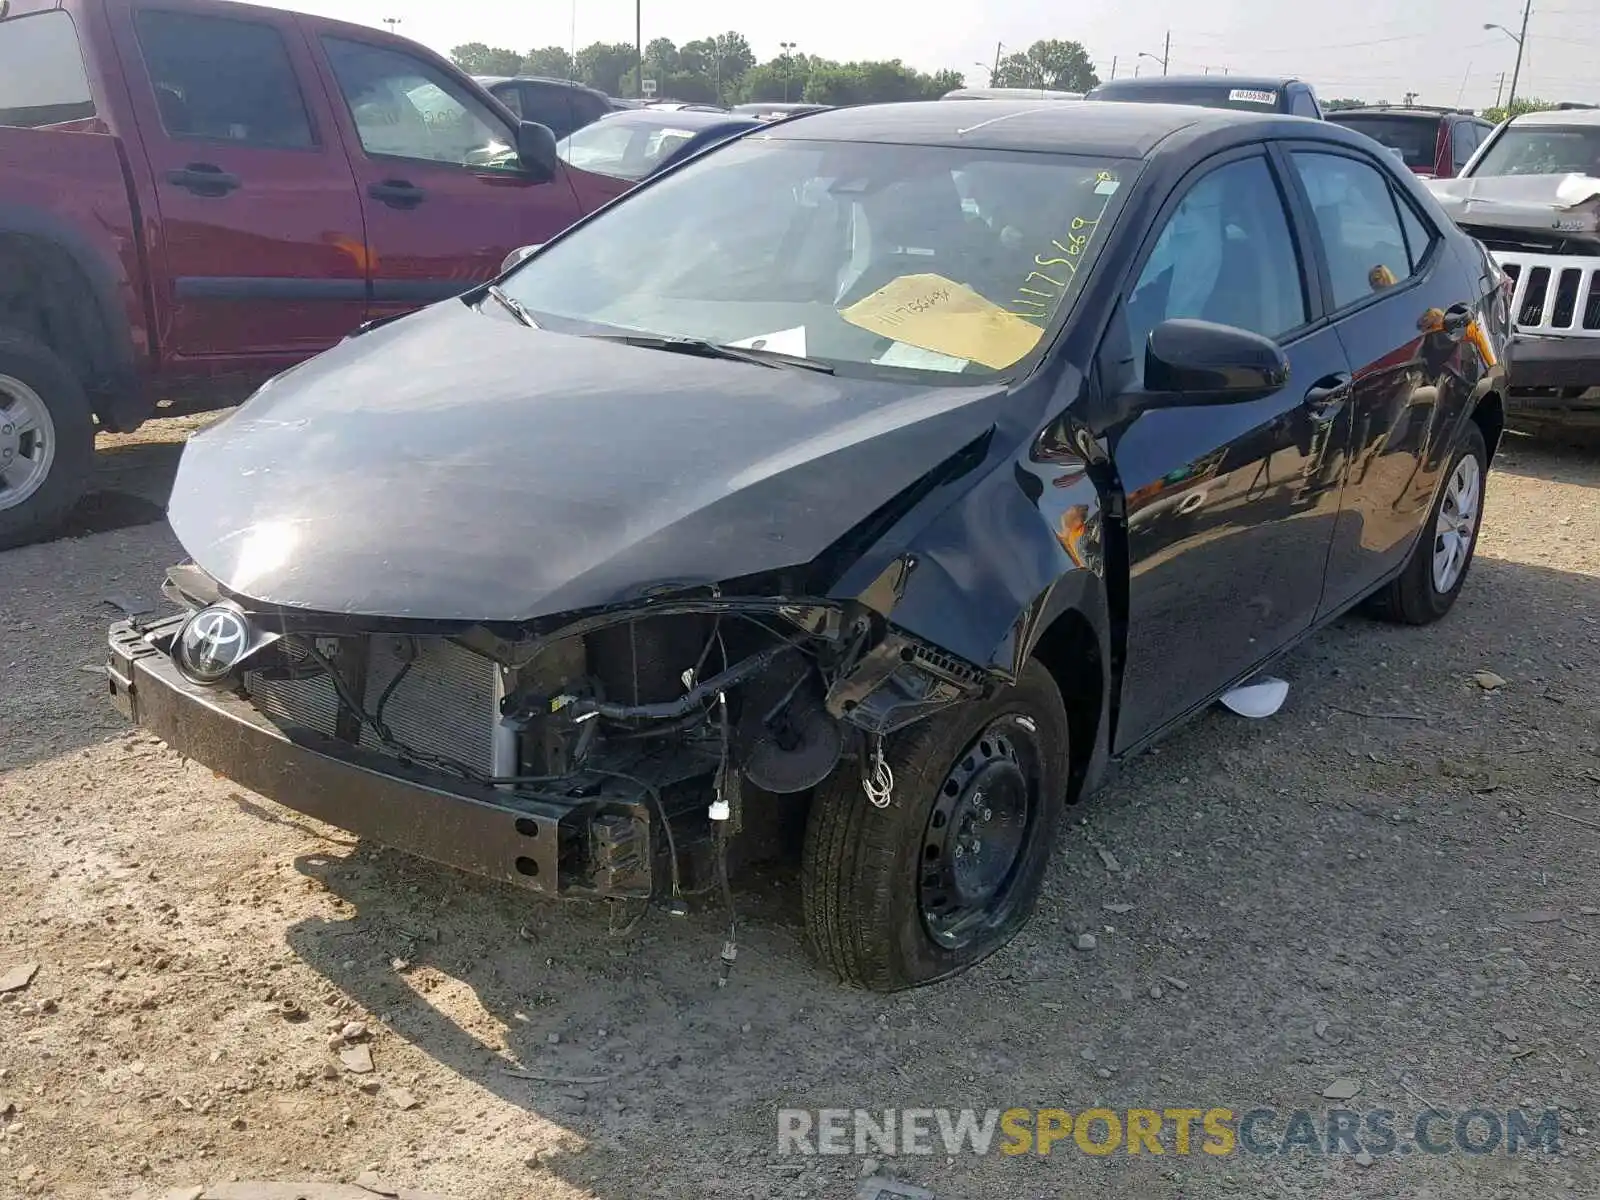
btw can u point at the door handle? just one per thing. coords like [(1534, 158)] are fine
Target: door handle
[(397, 193), (1326, 396), (204, 179)]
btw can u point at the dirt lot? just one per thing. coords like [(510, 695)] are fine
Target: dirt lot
[(1392, 882)]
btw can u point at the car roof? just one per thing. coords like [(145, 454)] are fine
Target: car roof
[(677, 118), (1061, 126), (491, 80), (1398, 110), (1155, 83), (1560, 116)]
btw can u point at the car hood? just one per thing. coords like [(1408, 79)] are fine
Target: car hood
[(1568, 203), (457, 466)]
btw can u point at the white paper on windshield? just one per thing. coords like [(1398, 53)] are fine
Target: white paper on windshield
[(784, 341), (916, 359), (1253, 96)]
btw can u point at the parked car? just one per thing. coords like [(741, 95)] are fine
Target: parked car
[(867, 542), (197, 193), (560, 105), (617, 151), (1008, 93), (1531, 194), (684, 106), (1434, 142), (1241, 93)]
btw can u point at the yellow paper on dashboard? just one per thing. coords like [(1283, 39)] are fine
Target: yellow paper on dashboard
[(931, 312)]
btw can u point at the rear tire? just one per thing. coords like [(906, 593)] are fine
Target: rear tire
[(46, 440), (1430, 582), (950, 870)]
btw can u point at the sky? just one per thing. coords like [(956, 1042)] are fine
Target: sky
[(1362, 49)]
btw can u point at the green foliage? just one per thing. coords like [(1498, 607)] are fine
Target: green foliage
[(1527, 104), (1337, 105), (552, 62), (475, 58), (609, 67), (1053, 64)]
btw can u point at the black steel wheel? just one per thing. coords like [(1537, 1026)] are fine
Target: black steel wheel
[(950, 869)]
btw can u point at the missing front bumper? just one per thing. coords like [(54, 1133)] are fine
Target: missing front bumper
[(599, 845)]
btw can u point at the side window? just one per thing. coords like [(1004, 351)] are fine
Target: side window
[(1463, 141), (42, 80), (508, 94), (223, 80), (1225, 255), (1301, 104), (1419, 235), (1357, 223), (405, 108), (549, 107)]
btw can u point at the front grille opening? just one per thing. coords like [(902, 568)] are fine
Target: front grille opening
[(1513, 270), (1566, 298), (1533, 299), (1591, 310)]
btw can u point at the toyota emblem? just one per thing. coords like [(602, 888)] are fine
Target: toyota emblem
[(211, 644)]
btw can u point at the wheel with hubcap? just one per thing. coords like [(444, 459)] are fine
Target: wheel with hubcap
[(46, 439), (1431, 580), (949, 870)]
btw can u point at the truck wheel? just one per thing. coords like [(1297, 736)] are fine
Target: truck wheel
[(1427, 587), (949, 871), (46, 440)]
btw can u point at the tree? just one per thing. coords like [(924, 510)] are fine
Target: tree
[(1337, 105), (661, 57), (605, 65), (735, 54), (1055, 65), (1527, 104), (778, 78), (553, 62), (475, 58), (941, 82)]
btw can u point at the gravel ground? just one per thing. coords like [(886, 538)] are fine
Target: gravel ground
[(1391, 882)]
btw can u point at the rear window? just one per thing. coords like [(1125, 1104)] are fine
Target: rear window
[(1414, 140), (1201, 95), (42, 77), (1543, 150)]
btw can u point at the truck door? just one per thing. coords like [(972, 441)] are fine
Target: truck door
[(260, 257), (444, 194)]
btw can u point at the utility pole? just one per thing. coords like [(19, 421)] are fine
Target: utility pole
[(788, 66), (638, 45), (998, 46), (1522, 38), (1166, 50), (1113, 66), (391, 22), (1499, 89)]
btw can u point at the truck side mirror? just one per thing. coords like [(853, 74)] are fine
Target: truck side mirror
[(536, 151)]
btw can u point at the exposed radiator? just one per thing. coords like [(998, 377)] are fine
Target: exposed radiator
[(447, 704), (1555, 294)]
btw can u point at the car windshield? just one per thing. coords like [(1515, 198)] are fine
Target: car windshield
[(1542, 150), (870, 257), (1415, 139), (623, 148)]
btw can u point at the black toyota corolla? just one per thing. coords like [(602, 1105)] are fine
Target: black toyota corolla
[(870, 483)]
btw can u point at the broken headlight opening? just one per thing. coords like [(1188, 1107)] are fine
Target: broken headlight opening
[(626, 721)]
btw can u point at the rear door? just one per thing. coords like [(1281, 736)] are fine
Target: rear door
[(1400, 303), (444, 196), (261, 260), (1230, 507)]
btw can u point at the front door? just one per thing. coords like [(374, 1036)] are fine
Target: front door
[(444, 195), (260, 255), (1401, 303), (1230, 507)]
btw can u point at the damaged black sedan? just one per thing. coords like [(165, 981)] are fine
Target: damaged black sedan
[(874, 481)]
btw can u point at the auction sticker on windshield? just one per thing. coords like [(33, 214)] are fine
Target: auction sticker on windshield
[(931, 312), (1252, 96)]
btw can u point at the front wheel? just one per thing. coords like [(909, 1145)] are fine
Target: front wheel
[(46, 440), (1425, 590), (950, 869)]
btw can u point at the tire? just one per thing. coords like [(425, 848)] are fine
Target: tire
[(1414, 597), (866, 871), (36, 385)]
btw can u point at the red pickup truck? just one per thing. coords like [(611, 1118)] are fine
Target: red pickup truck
[(197, 194)]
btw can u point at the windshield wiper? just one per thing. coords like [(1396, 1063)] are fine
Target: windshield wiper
[(702, 348), (511, 306)]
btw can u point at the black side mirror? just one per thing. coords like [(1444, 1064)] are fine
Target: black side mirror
[(1201, 362), (536, 151)]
